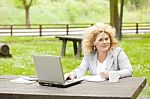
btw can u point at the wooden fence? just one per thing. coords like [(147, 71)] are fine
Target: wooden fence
[(64, 29), (142, 27)]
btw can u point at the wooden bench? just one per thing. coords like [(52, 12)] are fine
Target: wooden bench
[(126, 88), (77, 44)]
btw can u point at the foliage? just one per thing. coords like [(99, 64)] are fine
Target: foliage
[(136, 4), (20, 4), (68, 11)]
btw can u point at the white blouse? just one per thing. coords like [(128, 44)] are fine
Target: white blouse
[(100, 66)]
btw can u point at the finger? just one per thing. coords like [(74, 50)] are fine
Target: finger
[(102, 75), (66, 76), (71, 77)]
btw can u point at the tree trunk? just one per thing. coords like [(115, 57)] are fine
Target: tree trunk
[(120, 20), (27, 6), (114, 14), (27, 17)]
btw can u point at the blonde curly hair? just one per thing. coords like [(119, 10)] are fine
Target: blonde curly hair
[(91, 34)]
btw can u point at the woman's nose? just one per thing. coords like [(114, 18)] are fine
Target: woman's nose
[(104, 41)]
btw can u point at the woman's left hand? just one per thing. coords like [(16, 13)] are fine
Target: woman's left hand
[(104, 74)]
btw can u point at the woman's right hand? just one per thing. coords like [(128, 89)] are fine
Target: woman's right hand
[(70, 76)]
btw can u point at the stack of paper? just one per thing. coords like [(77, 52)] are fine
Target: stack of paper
[(24, 80), (92, 78)]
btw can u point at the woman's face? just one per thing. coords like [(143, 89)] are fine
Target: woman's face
[(102, 42)]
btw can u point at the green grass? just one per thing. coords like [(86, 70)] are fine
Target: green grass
[(22, 48)]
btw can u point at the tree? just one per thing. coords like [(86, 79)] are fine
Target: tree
[(26, 4), (115, 17), (114, 14), (120, 20)]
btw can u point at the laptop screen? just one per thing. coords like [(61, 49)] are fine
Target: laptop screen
[(49, 69)]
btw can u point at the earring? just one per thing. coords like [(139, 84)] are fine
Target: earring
[(94, 48)]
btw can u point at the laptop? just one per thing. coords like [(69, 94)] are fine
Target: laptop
[(50, 73)]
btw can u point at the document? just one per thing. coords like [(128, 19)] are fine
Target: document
[(95, 78), (24, 80)]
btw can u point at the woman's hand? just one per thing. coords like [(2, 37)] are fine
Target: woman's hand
[(70, 76), (104, 74)]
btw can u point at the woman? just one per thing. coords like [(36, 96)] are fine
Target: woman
[(101, 54)]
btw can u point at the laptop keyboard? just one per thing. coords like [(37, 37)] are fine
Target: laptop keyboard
[(68, 81), (71, 81)]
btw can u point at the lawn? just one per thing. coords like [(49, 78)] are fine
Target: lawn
[(22, 49)]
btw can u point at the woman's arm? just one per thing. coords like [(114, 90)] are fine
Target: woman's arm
[(80, 71), (124, 65)]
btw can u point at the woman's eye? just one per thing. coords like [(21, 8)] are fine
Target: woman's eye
[(100, 39), (106, 38)]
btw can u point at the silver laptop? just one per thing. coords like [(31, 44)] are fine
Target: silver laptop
[(50, 72)]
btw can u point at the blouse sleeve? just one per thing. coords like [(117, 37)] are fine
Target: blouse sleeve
[(80, 71), (124, 65)]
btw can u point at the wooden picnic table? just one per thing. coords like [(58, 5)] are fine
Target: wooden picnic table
[(77, 44), (126, 88)]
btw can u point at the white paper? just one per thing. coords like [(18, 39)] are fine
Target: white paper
[(92, 78), (30, 78), (22, 80)]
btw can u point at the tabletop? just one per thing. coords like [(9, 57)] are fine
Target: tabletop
[(126, 88), (71, 37)]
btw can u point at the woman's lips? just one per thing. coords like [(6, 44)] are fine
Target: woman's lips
[(105, 46)]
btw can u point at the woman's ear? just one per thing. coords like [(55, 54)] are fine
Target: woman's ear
[(94, 44)]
